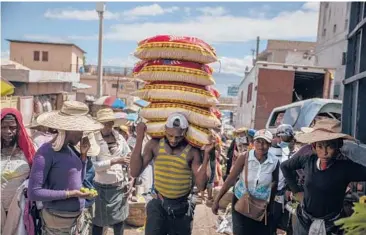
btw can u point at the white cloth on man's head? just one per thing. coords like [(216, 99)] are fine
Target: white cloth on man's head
[(183, 122)]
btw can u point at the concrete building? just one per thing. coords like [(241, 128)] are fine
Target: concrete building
[(29, 82), (332, 40), (62, 57), (288, 52), (119, 86)]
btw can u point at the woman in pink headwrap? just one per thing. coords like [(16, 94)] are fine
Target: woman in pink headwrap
[(17, 152)]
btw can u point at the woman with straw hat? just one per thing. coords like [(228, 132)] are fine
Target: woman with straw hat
[(111, 178), (58, 169), (327, 175), (40, 134)]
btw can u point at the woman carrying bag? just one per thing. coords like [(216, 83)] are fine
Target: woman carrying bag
[(254, 191)]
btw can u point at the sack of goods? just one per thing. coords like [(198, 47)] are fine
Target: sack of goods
[(177, 92), (174, 71), (196, 136), (178, 80), (176, 48), (202, 117)]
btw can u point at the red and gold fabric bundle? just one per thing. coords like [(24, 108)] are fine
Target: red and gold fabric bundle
[(178, 79)]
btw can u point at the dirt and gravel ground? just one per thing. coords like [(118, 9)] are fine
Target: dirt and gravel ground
[(203, 223)]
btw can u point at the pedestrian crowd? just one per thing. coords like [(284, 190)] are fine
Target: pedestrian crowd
[(76, 174)]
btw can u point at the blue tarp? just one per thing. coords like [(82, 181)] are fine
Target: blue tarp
[(142, 103), (132, 117), (118, 104)]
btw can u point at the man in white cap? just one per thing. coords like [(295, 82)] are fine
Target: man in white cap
[(176, 163)]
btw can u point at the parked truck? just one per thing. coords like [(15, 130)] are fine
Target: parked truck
[(270, 85)]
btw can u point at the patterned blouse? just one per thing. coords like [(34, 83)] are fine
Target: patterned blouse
[(14, 170)]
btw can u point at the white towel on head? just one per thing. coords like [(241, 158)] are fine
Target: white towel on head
[(60, 140)]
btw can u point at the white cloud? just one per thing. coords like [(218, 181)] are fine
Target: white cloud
[(139, 11), (187, 10), (259, 12), (286, 25), (314, 6), (64, 39), (149, 10), (230, 65), (213, 11), (78, 37), (46, 38), (73, 14)]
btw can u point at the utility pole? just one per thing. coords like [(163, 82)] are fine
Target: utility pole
[(253, 59), (257, 49), (100, 9)]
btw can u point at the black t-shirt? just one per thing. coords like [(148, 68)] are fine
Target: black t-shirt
[(324, 191)]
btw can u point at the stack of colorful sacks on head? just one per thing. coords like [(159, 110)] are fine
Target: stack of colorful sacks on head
[(178, 79)]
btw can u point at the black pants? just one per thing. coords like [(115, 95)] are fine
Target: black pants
[(280, 218), (243, 225), (158, 222), (118, 229)]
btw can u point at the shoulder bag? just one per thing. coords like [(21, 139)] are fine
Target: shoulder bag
[(248, 205)]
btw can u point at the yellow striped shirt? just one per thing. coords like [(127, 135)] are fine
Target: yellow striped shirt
[(172, 175)]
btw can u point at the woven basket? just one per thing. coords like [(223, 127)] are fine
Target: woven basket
[(137, 214), (226, 199)]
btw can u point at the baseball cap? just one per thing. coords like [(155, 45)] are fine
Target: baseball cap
[(183, 123), (264, 134), (285, 130)]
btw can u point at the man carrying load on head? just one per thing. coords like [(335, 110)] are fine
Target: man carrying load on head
[(176, 163)]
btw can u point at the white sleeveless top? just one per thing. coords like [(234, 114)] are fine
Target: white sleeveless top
[(259, 177), (14, 171)]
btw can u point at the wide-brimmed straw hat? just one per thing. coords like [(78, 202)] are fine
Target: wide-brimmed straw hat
[(323, 130), (124, 128), (107, 115), (94, 149), (72, 117), (34, 123), (241, 130)]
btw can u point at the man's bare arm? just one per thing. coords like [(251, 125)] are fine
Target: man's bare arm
[(200, 170), (139, 160)]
